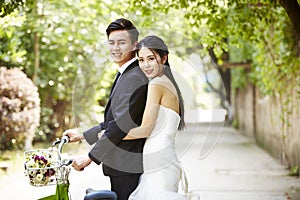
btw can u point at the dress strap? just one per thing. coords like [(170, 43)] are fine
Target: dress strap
[(183, 180), (185, 185)]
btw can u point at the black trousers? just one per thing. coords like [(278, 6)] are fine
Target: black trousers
[(124, 185)]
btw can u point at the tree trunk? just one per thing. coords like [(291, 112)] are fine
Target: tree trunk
[(292, 8), (59, 116), (36, 49)]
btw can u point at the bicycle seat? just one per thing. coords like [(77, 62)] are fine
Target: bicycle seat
[(92, 194)]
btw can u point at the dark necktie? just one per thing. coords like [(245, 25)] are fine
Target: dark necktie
[(115, 82)]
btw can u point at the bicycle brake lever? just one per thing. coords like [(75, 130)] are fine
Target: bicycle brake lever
[(67, 162)]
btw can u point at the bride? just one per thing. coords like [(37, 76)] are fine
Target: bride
[(163, 116)]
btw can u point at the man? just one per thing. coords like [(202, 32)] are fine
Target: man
[(122, 159)]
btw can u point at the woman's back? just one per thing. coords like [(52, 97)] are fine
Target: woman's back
[(169, 97)]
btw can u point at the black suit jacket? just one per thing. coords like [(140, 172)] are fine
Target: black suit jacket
[(123, 112)]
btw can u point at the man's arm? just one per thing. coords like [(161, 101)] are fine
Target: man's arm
[(91, 135), (154, 96), (127, 105)]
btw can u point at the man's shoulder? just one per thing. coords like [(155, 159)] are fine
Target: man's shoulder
[(136, 72)]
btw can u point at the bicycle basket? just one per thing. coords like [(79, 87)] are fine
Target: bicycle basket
[(42, 166)]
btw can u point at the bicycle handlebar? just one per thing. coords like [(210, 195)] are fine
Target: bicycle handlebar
[(64, 140), (60, 142)]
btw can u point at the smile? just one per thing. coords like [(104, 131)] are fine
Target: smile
[(117, 54), (149, 71)]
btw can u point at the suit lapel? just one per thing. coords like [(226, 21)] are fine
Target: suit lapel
[(115, 82), (115, 85)]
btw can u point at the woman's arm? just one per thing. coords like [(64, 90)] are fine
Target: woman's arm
[(154, 96)]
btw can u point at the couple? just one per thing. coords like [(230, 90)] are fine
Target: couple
[(145, 102)]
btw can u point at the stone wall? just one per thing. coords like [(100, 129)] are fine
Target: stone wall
[(244, 107), (259, 117)]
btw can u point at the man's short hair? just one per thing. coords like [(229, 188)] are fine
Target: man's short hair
[(123, 24)]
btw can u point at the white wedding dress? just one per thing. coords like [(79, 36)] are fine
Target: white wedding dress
[(162, 170)]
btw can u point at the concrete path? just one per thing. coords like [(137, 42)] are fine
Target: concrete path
[(235, 169), (220, 163)]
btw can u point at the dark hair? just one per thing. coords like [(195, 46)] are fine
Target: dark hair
[(157, 45), (123, 24)]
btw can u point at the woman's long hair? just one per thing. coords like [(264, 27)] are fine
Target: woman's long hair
[(157, 45)]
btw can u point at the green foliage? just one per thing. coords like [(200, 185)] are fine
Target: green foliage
[(239, 78), (69, 42), (294, 171), (9, 6), (11, 51), (252, 31), (274, 61), (44, 131)]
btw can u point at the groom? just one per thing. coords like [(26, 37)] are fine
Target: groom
[(122, 159)]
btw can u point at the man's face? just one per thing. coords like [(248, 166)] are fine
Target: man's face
[(120, 46)]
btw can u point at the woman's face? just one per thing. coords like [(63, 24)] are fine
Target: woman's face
[(150, 62)]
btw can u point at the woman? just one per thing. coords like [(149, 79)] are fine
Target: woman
[(163, 116)]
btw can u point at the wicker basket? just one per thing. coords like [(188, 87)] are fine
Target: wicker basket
[(42, 166)]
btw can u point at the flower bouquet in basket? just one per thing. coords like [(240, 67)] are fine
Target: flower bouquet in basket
[(41, 166)]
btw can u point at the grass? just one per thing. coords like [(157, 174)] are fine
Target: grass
[(13, 158)]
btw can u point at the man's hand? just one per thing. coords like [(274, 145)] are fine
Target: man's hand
[(73, 135), (80, 163)]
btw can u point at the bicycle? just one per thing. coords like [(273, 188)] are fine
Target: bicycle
[(46, 167)]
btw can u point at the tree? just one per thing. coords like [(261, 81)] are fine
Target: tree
[(10, 6), (63, 42), (19, 109), (292, 8)]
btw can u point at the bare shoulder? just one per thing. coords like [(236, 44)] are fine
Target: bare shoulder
[(162, 81)]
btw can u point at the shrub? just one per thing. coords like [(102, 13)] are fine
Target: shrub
[(19, 108)]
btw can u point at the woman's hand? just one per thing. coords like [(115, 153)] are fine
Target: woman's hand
[(73, 135), (80, 163)]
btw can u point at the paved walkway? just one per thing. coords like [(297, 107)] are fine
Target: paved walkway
[(221, 164), (236, 169)]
